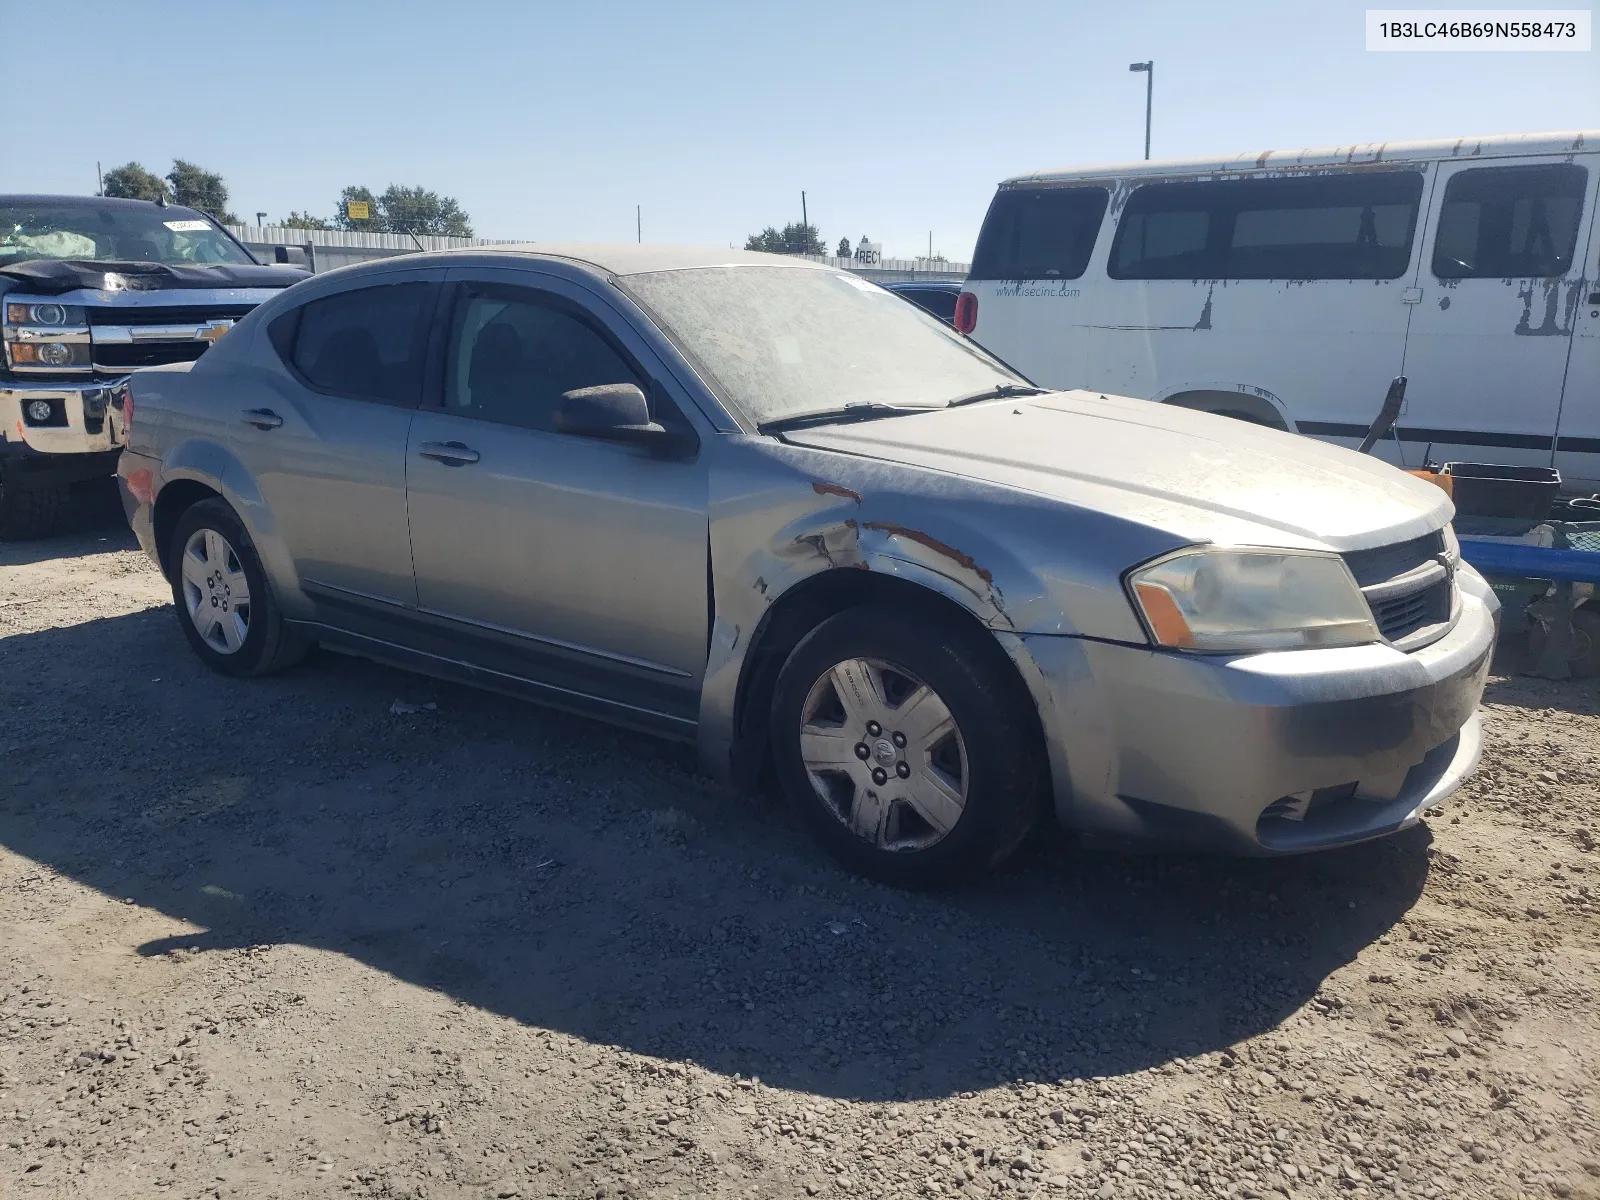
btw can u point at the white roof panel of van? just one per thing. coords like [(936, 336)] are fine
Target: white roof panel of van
[(1364, 153)]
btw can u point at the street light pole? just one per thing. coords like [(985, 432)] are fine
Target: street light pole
[(1149, 69)]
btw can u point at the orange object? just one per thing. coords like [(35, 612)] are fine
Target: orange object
[(1439, 480), (1166, 622)]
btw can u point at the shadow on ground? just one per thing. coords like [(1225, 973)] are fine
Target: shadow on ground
[(575, 877)]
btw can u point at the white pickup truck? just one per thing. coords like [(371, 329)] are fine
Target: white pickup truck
[(91, 289)]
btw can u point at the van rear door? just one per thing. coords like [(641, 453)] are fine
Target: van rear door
[(1578, 430), (1492, 324)]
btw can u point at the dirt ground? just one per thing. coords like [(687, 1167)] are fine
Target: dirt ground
[(291, 938)]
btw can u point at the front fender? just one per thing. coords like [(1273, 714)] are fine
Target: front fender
[(1019, 563)]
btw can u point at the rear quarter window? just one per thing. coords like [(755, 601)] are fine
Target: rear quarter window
[(1510, 222), (1039, 233), (366, 344)]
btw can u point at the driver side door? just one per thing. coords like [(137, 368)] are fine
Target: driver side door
[(576, 564)]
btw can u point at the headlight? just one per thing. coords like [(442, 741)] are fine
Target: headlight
[(49, 315), (49, 354), (1247, 600)]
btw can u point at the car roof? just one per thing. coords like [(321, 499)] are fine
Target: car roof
[(89, 201), (632, 259), (922, 285), (1355, 154)]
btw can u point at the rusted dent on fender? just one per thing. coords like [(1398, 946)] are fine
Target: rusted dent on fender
[(835, 489), (934, 544)]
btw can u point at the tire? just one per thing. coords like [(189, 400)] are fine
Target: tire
[(32, 512), (209, 555), (969, 756), (1583, 656)]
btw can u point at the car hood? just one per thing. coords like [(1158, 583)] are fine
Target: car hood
[(1198, 476)]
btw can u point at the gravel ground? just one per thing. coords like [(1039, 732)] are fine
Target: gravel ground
[(291, 938)]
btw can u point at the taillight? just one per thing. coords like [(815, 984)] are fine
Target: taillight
[(966, 312)]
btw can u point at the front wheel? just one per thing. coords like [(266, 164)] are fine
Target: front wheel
[(225, 605), (909, 746)]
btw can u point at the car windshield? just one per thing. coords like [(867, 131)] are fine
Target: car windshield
[(780, 342), (119, 232)]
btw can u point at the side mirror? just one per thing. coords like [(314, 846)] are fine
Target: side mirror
[(616, 412)]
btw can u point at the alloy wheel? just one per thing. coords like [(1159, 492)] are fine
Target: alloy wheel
[(215, 591)]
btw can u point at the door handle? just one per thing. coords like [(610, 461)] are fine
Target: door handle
[(261, 418), (451, 454)]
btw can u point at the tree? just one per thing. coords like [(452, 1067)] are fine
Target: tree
[(404, 210), (368, 224), (795, 238), (132, 182), (195, 187), (844, 247), (300, 220)]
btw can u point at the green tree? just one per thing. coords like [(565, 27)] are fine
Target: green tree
[(300, 220), (404, 210), (844, 248), (794, 238), (372, 223), (417, 210), (132, 182), (195, 187)]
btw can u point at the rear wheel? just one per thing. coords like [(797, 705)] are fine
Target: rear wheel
[(908, 746), (225, 605), (32, 512)]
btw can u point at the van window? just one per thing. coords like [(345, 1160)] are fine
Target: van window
[(1343, 226), (1039, 233), (1509, 222)]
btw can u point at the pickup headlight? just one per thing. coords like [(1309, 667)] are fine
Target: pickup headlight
[(1240, 601), (51, 316)]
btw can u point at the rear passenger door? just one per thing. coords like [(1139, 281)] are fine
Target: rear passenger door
[(575, 563), (323, 440), (1488, 345)]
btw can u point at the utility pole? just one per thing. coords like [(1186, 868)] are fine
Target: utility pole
[(100, 180), (638, 223), (1149, 69), (261, 218), (805, 222), (930, 249)]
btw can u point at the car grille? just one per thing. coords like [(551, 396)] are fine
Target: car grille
[(127, 355), (1409, 587), (190, 314), (111, 328)]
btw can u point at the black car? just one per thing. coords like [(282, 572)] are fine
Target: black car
[(937, 296)]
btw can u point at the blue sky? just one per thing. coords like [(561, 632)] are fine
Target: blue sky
[(551, 121)]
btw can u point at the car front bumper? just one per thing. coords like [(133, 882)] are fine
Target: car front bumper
[(1260, 754)]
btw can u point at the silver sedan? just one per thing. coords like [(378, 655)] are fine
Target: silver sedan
[(767, 507)]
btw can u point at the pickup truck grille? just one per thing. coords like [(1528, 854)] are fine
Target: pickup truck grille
[(124, 338), (1408, 587)]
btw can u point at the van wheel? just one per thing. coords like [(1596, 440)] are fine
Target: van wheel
[(224, 602), (908, 746), (31, 512)]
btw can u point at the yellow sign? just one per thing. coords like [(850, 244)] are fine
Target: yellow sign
[(357, 210)]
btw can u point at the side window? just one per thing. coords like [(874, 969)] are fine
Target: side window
[(940, 303), (512, 357), (1346, 225), (1039, 233), (367, 343), (1509, 222)]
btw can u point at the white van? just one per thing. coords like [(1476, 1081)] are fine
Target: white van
[(1289, 287)]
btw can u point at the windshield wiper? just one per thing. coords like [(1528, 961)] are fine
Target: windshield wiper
[(860, 411), (999, 392)]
